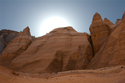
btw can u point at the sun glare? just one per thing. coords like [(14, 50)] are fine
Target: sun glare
[(52, 23)]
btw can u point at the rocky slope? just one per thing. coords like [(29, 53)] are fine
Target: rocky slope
[(114, 74)]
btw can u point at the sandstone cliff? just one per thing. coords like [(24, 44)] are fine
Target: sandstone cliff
[(15, 47), (61, 49), (99, 32), (65, 49), (112, 52)]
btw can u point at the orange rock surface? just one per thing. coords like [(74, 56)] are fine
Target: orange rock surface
[(112, 52), (99, 32), (65, 55), (15, 47)]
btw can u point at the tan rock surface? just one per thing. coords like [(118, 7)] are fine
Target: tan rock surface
[(112, 52), (15, 47), (99, 32), (55, 50)]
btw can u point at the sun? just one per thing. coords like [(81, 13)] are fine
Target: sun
[(52, 23)]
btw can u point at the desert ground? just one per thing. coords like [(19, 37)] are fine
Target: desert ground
[(103, 75)]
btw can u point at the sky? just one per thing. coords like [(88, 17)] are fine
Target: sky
[(18, 14)]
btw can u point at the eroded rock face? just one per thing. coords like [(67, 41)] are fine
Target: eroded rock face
[(99, 32), (15, 47), (55, 52), (112, 52)]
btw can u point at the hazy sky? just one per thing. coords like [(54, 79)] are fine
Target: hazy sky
[(17, 14)]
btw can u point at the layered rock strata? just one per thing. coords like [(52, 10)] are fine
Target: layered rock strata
[(15, 47), (55, 51)]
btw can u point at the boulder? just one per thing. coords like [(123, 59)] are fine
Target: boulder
[(112, 52), (99, 32), (15, 47), (54, 52)]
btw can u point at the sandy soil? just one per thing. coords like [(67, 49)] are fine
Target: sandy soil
[(103, 75)]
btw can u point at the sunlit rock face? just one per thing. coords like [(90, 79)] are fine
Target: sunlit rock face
[(60, 50), (112, 52), (15, 47), (99, 32)]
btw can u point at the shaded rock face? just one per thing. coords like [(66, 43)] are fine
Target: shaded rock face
[(57, 64), (1, 43), (5, 32), (10, 37), (99, 32), (112, 52), (77, 61), (14, 48), (6, 37), (55, 51)]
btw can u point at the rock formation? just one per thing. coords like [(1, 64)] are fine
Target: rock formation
[(64, 49), (55, 51), (112, 52), (99, 32), (15, 47)]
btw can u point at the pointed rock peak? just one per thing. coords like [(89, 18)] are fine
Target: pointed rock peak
[(27, 31), (123, 17), (118, 20), (108, 21), (97, 17)]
